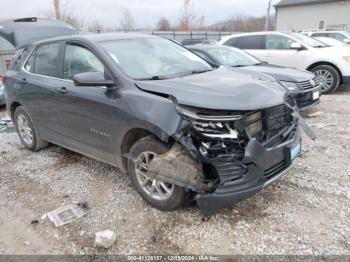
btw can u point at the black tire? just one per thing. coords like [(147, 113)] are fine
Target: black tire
[(333, 72), (178, 196), (36, 142)]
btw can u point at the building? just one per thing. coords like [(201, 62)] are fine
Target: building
[(296, 15)]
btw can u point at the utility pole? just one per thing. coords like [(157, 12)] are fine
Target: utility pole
[(267, 21), (57, 7)]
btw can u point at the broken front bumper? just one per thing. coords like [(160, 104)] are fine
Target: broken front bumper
[(307, 100), (260, 166)]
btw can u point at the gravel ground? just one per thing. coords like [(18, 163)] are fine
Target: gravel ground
[(306, 212)]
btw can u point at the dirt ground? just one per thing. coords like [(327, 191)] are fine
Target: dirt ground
[(306, 212)]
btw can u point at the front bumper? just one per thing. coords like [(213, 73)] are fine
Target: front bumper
[(305, 98), (239, 180)]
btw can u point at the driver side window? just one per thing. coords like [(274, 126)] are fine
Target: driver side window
[(79, 59), (278, 42)]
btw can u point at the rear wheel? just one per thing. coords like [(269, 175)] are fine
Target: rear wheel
[(329, 76), (161, 195), (27, 131)]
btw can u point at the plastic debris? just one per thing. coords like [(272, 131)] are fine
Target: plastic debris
[(65, 215), (105, 238)]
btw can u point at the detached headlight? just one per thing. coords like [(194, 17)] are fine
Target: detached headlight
[(254, 124), (291, 86), (211, 125), (346, 58)]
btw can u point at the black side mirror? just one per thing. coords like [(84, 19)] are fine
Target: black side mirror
[(93, 79)]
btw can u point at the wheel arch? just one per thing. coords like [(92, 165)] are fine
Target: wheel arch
[(13, 108), (134, 135), (310, 67)]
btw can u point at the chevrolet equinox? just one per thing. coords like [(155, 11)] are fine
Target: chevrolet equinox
[(181, 128)]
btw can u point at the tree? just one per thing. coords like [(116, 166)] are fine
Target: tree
[(127, 21), (163, 24), (188, 15)]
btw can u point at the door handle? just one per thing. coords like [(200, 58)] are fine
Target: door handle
[(24, 80), (62, 90)]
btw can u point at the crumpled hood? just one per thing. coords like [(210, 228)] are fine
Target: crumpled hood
[(221, 89), (283, 73)]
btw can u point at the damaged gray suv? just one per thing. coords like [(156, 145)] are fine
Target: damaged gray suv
[(181, 128)]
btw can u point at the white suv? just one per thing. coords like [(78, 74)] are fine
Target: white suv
[(339, 35), (330, 64)]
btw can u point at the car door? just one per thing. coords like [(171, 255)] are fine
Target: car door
[(86, 113), (39, 80), (253, 44), (278, 51)]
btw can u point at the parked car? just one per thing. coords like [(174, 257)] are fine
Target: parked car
[(339, 35), (330, 41), (179, 126), (302, 84), (195, 41), (330, 64)]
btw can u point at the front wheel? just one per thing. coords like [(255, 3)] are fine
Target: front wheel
[(329, 76), (159, 194)]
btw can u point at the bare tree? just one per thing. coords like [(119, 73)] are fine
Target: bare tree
[(163, 24), (96, 27), (74, 16), (127, 21), (200, 23), (188, 15)]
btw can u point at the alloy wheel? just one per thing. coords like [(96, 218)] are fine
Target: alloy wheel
[(326, 79), (154, 188), (24, 129)]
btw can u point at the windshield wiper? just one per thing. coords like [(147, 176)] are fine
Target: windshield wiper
[(201, 71), (152, 78)]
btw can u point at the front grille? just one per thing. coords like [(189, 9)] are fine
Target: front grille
[(275, 170), (277, 118), (309, 84)]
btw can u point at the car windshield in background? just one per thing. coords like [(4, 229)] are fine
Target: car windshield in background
[(233, 57), (154, 58), (309, 40)]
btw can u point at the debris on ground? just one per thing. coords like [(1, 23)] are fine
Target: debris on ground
[(83, 205), (105, 238), (6, 124), (314, 114), (65, 215)]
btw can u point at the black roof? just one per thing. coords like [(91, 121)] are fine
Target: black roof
[(284, 3)]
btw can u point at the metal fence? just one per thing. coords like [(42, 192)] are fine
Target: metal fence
[(182, 35)]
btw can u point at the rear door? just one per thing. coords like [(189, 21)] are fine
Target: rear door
[(39, 82), (253, 44)]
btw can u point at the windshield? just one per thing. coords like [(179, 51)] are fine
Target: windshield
[(309, 40), (154, 58), (232, 57)]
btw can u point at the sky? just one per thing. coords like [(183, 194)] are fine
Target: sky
[(145, 12)]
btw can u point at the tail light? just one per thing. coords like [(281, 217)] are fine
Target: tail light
[(3, 78)]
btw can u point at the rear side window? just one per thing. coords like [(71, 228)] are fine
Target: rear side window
[(29, 66), (47, 60), (79, 59), (251, 42), (233, 42)]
